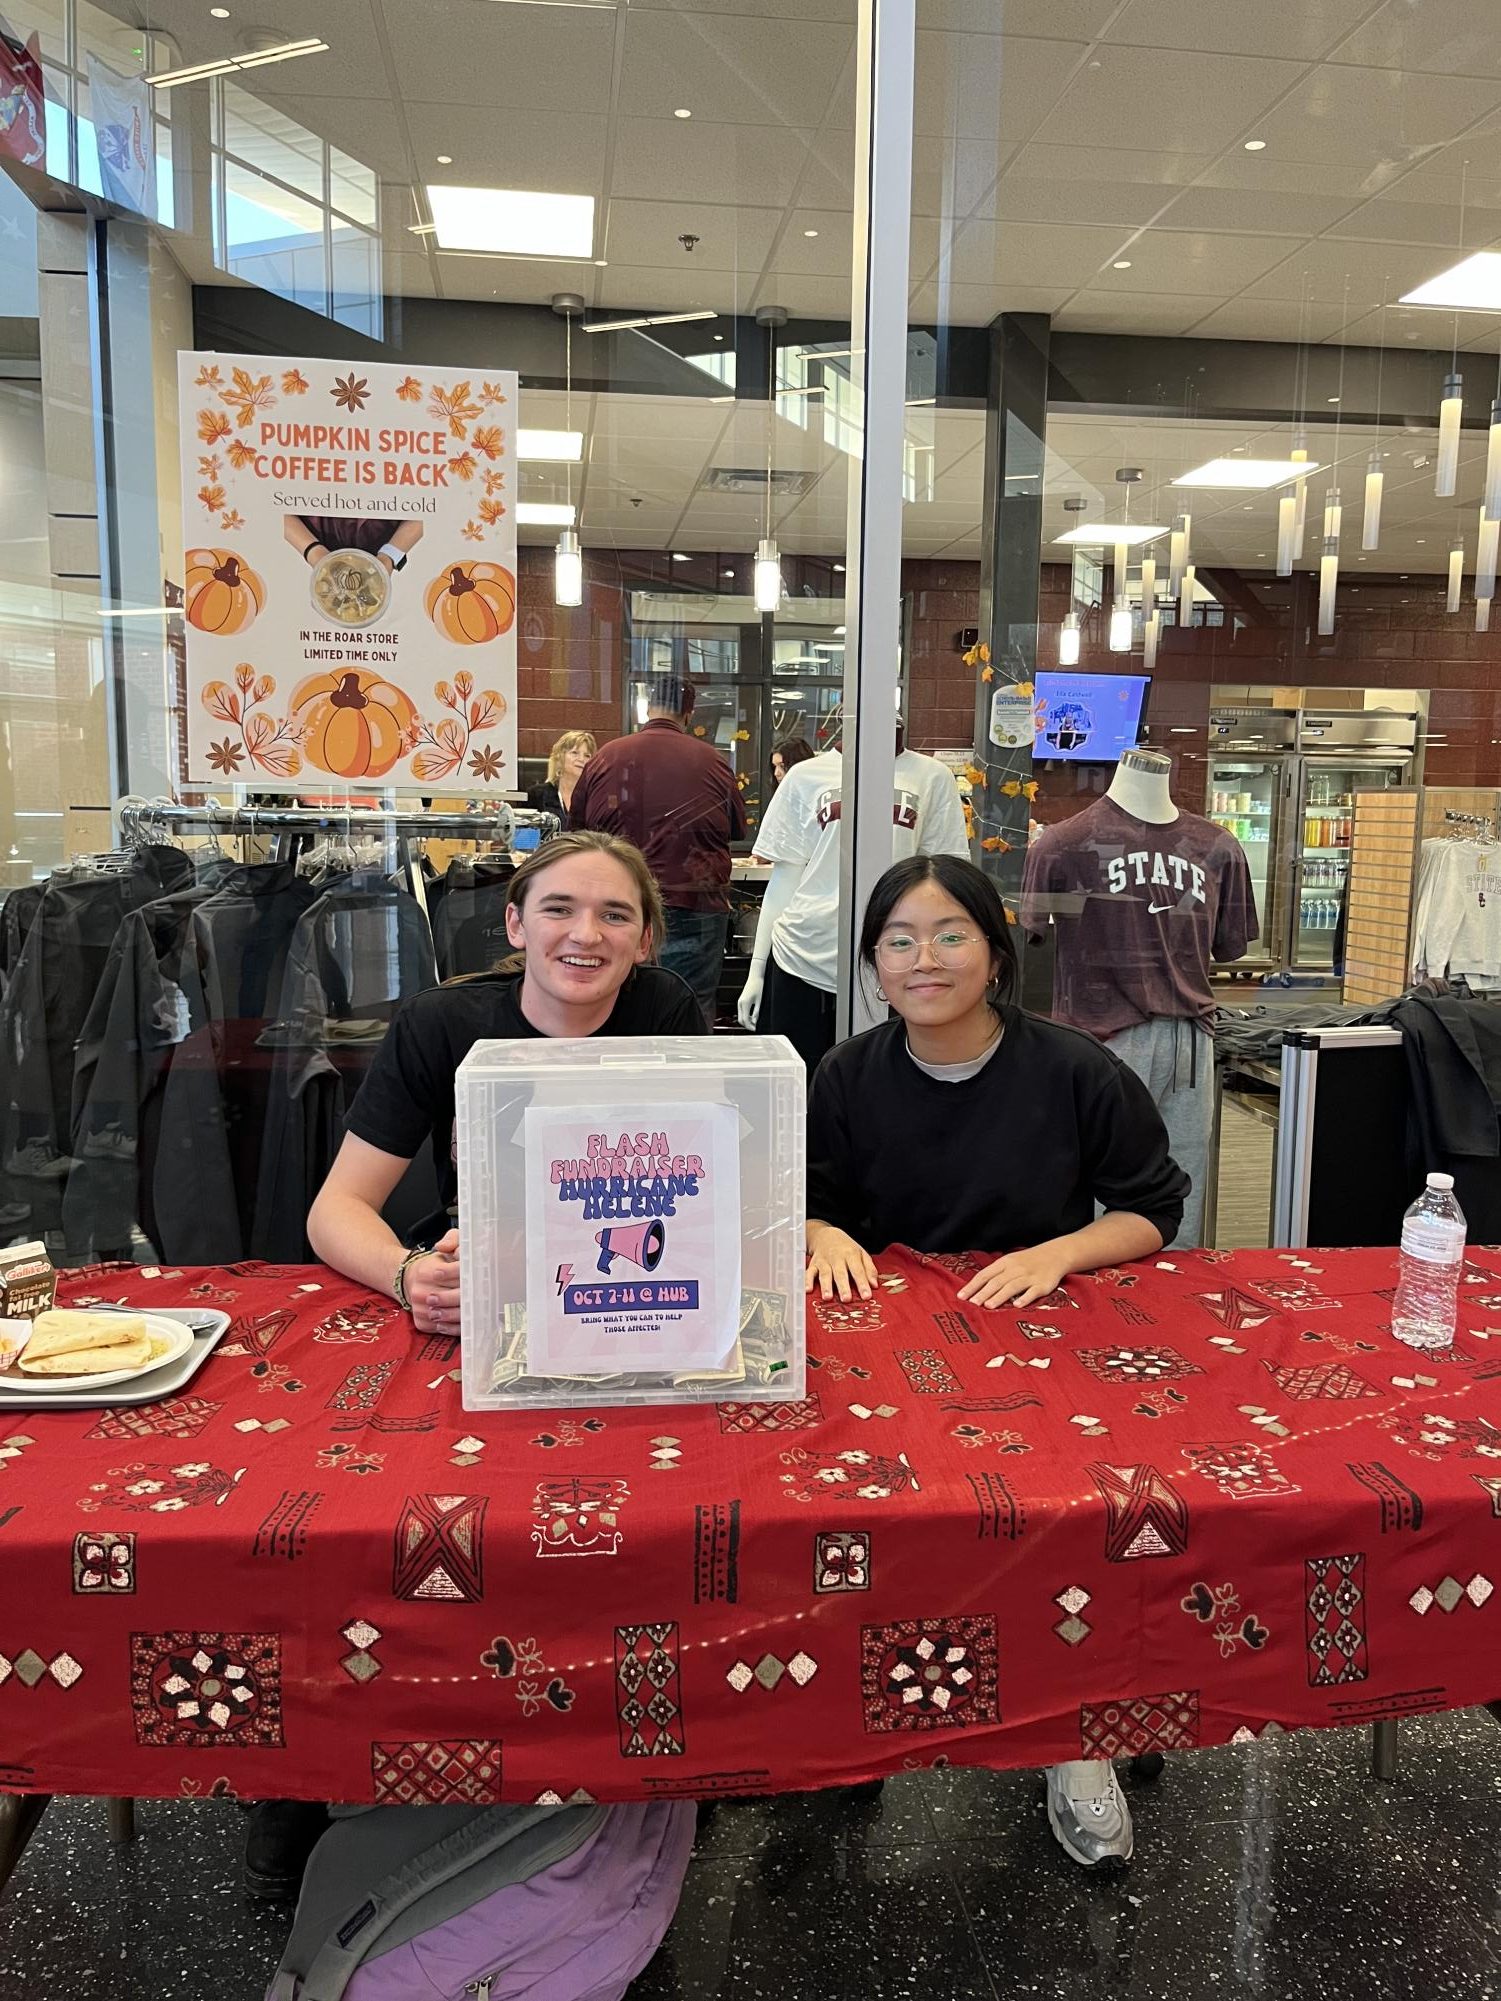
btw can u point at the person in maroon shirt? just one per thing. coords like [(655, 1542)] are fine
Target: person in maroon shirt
[(674, 797)]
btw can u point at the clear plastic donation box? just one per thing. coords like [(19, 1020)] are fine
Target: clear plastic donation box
[(631, 1221)]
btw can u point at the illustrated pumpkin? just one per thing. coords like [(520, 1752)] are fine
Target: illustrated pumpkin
[(222, 595), (354, 720), (472, 602)]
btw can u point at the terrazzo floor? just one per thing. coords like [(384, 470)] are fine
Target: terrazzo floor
[(1278, 1872)]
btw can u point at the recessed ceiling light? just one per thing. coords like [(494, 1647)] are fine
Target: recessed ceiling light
[(1255, 146), (544, 514), (1249, 473), (219, 13), (728, 573), (1331, 399), (810, 232), (839, 567), (560, 446), (516, 222), (719, 336), (1473, 284), (677, 558), (1102, 532), (682, 112), (445, 159), (1121, 264)]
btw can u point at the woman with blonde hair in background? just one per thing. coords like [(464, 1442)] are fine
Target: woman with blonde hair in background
[(565, 766)]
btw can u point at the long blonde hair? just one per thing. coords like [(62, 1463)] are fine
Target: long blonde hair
[(588, 841), (569, 740)]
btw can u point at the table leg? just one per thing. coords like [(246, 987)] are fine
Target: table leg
[(1384, 1750), (19, 1814), (122, 1820)]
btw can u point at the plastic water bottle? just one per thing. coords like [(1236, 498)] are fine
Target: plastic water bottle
[(1433, 1252)]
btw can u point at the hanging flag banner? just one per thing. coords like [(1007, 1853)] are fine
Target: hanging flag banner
[(350, 574), (633, 1239), (23, 98), (121, 110)]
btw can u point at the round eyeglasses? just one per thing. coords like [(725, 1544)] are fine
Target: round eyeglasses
[(896, 951)]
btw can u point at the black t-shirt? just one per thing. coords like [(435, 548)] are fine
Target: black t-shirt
[(1014, 1156), (408, 1096)]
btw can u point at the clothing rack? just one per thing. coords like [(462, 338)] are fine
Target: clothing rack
[(1483, 823), (142, 820)]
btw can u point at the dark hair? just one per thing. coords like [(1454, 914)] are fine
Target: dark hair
[(673, 692), (970, 888), (793, 750)]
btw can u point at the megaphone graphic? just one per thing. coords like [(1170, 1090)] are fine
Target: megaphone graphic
[(643, 1244)]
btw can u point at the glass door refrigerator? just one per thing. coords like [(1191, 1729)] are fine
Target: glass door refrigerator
[(1339, 755), (1250, 758)]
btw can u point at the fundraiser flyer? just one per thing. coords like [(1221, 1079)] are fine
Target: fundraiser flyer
[(633, 1238), (349, 574)]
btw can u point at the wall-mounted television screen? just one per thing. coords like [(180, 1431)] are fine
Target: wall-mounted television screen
[(1090, 718)]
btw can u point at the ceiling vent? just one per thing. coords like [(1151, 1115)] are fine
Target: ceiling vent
[(754, 479)]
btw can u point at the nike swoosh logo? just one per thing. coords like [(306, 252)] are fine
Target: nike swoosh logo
[(1156, 909)]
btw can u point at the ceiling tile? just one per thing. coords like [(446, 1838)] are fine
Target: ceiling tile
[(1272, 177), (778, 10), (934, 303), (524, 149), (1017, 253), (1067, 20), (367, 128), (1268, 319), (1374, 119), (668, 289), (1174, 102), (556, 59), (1399, 221), (1146, 313), (1243, 209), (718, 163), (1450, 37), (825, 298), (519, 280), (986, 87), (1161, 169), (731, 68), (1078, 200), (1300, 28), (1373, 270), (729, 239), (1173, 261)]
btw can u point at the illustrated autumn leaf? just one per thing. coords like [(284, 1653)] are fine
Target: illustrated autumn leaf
[(430, 764), (249, 394), (351, 392), (212, 497), (409, 390), (208, 377), (994, 845), (244, 677), (232, 522), (294, 383), (264, 687), (224, 756), (492, 393), (221, 700), (212, 426), (1024, 688), (451, 737), (486, 764), (208, 467), (445, 695), (284, 760), (489, 439), (455, 407), (1030, 788), (486, 710), (987, 673), (259, 731), (495, 482), (240, 454), (490, 511), (464, 466), (473, 532), (463, 685)]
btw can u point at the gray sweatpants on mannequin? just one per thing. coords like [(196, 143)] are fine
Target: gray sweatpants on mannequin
[(1174, 1058)]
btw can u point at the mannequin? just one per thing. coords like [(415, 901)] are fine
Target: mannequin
[(1142, 896), (794, 968)]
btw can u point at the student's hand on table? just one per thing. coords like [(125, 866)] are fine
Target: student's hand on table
[(837, 1264), (433, 1287), (1017, 1279)]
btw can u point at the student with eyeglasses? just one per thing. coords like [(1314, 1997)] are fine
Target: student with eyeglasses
[(965, 1124)]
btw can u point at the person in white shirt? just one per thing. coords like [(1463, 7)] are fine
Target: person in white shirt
[(794, 970)]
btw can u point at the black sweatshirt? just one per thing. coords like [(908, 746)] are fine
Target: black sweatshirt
[(1016, 1155)]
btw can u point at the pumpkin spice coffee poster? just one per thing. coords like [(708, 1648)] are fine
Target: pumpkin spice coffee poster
[(350, 579)]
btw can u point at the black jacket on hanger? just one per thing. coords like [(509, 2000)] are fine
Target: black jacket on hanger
[(469, 924), (1453, 1051)]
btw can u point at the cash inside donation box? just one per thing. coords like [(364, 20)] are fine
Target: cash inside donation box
[(631, 1221)]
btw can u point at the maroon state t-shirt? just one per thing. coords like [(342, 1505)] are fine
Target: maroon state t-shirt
[(1139, 911)]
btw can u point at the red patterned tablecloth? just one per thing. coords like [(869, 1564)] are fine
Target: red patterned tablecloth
[(1176, 1504)]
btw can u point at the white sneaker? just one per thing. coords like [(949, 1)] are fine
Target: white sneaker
[(1087, 1812)]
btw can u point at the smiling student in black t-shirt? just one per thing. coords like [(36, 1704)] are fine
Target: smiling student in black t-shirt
[(586, 913)]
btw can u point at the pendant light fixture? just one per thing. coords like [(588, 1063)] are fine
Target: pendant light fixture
[(1148, 587), (768, 570), (1329, 545), (1186, 596), (1300, 499), (1485, 554), (1120, 627), (1287, 526), (1332, 513), (1375, 477), (1177, 552), (1151, 632), (568, 558), (1120, 614), (1456, 573), (1493, 464), (1451, 405), (1328, 584), (1482, 614), (1068, 641)]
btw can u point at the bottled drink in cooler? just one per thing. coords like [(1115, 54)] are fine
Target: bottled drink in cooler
[(1433, 1252)]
